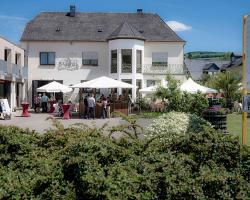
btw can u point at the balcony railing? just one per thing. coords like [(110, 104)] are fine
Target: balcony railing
[(163, 69), (11, 69), (138, 68), (25, 72), (3, 67), (113, 68), (16, 70), (126, 68)]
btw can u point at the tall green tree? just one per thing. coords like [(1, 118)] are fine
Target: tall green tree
[(228, 83)]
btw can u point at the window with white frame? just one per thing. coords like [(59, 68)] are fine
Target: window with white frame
[(160, 58), (90, 58)]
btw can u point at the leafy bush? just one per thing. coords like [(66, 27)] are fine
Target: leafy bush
[(142, 104), (80, 163), (181, 101)]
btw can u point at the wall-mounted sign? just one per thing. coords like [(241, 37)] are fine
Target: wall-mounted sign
[(70, 64)]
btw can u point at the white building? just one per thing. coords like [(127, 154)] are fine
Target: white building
[(138, 48), (13, 74)]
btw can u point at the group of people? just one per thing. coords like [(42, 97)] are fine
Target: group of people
[(41, 101), (90, 104)]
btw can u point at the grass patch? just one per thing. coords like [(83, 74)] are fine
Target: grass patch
[(234, 126), (148, 115)]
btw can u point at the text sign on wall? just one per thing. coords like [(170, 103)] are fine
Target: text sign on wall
[(68, 64)]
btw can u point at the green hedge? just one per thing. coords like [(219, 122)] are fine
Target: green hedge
[(80, 163)]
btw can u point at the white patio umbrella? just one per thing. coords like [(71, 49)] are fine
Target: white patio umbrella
[(148, 90), (151, 89), (193, 87), (103, 82), (54, 87)]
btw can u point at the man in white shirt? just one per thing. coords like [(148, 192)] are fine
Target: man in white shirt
[(91, 105)]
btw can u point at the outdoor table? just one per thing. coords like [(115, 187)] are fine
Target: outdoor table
[(65, 108), (25, 106), (52, 108)]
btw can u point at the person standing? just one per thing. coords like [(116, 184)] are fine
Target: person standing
[(91, 106), (37, 103), (104, 107), (44, 101), (86, 107)]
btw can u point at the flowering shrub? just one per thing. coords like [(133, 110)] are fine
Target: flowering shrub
[(175, 123)]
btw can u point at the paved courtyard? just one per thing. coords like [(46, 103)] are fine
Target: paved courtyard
[(38, 122)]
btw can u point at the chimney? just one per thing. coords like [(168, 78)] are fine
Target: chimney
[(72, 12), (139, 11)]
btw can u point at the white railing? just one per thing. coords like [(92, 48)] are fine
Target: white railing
[(163, 69), (126, 68), (138, 68)]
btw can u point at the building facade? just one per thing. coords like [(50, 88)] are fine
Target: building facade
[(13, 73), (138, 48)]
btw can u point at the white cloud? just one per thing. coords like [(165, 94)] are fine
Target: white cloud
[(12, 18), (178, 26)]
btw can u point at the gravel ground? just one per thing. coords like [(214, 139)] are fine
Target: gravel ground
[(38, 122)]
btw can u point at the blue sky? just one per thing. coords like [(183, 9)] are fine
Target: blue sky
[(207, 25)]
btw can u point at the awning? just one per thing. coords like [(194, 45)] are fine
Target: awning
[(192, 87)]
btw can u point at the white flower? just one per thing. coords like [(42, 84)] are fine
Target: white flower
[(174, 123)]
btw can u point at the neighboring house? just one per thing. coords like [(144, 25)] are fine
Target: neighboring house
[(13, 74), (195, 66), (235, 64), (210, 68), (73, 47)]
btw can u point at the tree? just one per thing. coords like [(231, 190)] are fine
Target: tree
[(181, 101), (228, 83)]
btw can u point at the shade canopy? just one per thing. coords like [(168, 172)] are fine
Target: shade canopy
[(148, 90), (192, 87), (151, 89), (103, 82), (54, 87)]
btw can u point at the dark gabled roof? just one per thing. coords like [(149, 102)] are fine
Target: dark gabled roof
[(236, 54), (195, 66), (235, 63), (209, 66), (126, 31), (57, 26), (224, 66)]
